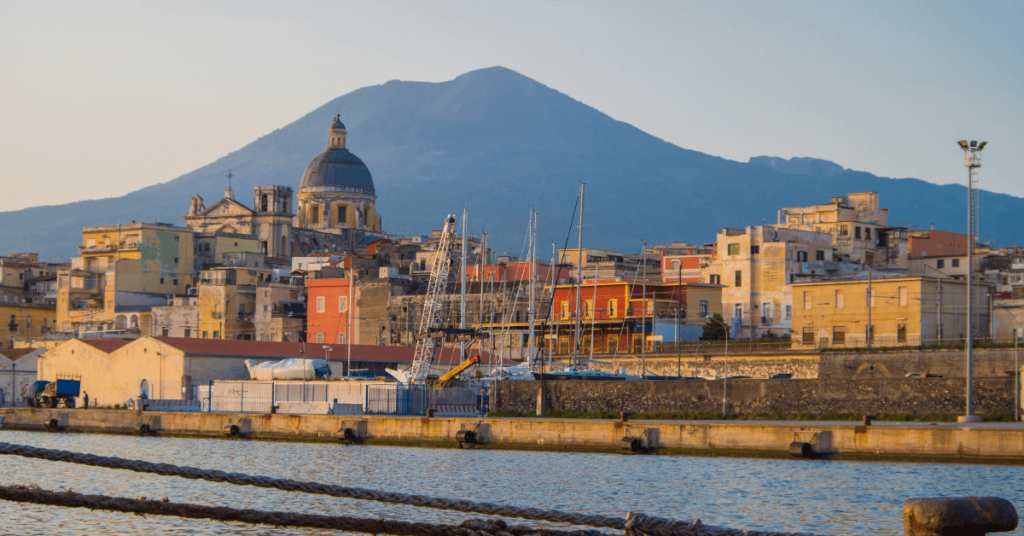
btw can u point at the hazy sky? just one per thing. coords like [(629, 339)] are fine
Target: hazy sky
[(98, 99)]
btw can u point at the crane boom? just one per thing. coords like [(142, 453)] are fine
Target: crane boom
[(433, 305)]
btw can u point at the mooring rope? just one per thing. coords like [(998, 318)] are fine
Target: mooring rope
[(469, 527), (635, 524)]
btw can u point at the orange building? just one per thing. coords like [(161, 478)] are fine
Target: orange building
[(517, 271), (328, 310), (617, 314)]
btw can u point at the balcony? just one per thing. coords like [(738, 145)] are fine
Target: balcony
[(97, 248), (216, 315)]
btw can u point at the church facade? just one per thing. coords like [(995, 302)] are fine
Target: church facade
[(336, 207)]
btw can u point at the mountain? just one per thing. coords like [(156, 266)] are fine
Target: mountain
[(814, 167), (500, 142)]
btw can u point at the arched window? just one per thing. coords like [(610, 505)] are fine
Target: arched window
[(342, 215), (263, 203), (144, 389), (675, 266)]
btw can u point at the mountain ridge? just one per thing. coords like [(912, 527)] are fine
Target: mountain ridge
[(501, 142)]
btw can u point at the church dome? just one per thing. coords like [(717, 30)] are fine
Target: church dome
[(337, 169)]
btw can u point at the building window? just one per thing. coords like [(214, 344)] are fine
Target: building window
[(166, 332), (807, 300), (342, 304), (808, 336), (175, 260), (767, 313), (839, 335), (856, 233), (955, 263), (342, 339), (161, 281), (320, 304), (175, 282), (739, 278), (613, 308), (216, 334), (703, 310), (901, 333), (613, 344), (715, 279), (342, 215), (844, 230), (754, 250), (734, 249), (789, 312), (840, 299), (206, 334), (801, 256), (867, 233), (675, 266), (320, 338), (819, 255), (903, 296), (638, 341), (588, 309), (737, 311), (565, 310), (941, 263)]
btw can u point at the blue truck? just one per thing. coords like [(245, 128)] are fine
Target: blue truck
[(46, 394)]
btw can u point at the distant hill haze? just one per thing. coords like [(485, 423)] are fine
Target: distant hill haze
[(499, 143)]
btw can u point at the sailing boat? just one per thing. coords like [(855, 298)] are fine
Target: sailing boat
[(574, 371)]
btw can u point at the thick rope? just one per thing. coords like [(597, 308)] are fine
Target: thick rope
[(469, 527), (635, 524)]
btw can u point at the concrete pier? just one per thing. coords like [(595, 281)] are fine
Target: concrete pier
[(979, 442)]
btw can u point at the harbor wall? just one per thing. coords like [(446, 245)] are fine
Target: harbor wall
[(782, 399), (944, 442), (755, 366), (947, 363)]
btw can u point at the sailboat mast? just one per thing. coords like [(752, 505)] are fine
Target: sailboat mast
[(462, 268), (593, 319), (579, 279), (643, 316), (533, 278)]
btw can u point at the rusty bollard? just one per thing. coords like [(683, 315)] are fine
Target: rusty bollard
[(961, 516)]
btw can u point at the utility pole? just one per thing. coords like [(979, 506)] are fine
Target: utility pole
[(679, 313), (533, 277), (462, 268)]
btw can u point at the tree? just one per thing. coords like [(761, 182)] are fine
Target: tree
[(713, 331)]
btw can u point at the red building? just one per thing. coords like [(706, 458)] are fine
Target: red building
[(617, 314), (685, 268), (932, 243), (327, 312), (518, 271)]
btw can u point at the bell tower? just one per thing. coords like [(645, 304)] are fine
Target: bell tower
[(273, 218)]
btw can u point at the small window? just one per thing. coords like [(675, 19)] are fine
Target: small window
[(901, 333), (320, 338), (801, 256), (955, 263), (808, 336), (734, 249), (342, 339), (320, 304), (867, 233), (161, 281), (754, 250), (216, 334), (839, 335), (789, 312), (703, 311), (588, 309), (739, 278), (175, 260), (206, 334), (807, 300), (188, 332), (343, 304), (941, 263), (856, 233), (840, 299), (565, 310), (175, 282), (715, 279), (819, 255), (613, 308), (166, 332), (737, 311), (903, 296), (675, 266), (175, 239)]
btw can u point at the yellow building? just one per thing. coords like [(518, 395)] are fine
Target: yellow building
[(908, 310), (123, 272), (860, 229), (227, 302), (25, 321)]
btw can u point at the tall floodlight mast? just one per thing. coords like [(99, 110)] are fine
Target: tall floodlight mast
[(434, 304), (972, 159)]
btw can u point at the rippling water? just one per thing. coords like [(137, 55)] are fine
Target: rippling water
[(824, 497)]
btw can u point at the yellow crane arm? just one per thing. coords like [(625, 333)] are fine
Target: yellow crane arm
[(443, 381)]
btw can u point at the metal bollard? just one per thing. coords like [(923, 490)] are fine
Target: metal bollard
[(966, 516)]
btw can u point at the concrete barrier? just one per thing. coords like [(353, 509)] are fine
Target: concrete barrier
[(1002, 444)]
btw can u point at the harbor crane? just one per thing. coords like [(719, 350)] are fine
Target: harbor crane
[(434, 305)]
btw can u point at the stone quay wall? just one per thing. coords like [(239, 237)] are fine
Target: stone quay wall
[(947, 363), (755, 366), (783, 399)]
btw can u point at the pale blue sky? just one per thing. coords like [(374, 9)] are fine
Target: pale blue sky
[(99, 98)]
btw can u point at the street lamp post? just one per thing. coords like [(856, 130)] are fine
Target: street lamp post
[(972, 160), (695, 356), (725, 383)]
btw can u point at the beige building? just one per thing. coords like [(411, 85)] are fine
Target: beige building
[(25, 321), (758, 265), (281, 312), (897, 311), (269, 222), (227, 302), (178, 319), (123, 272), (860, 229)]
